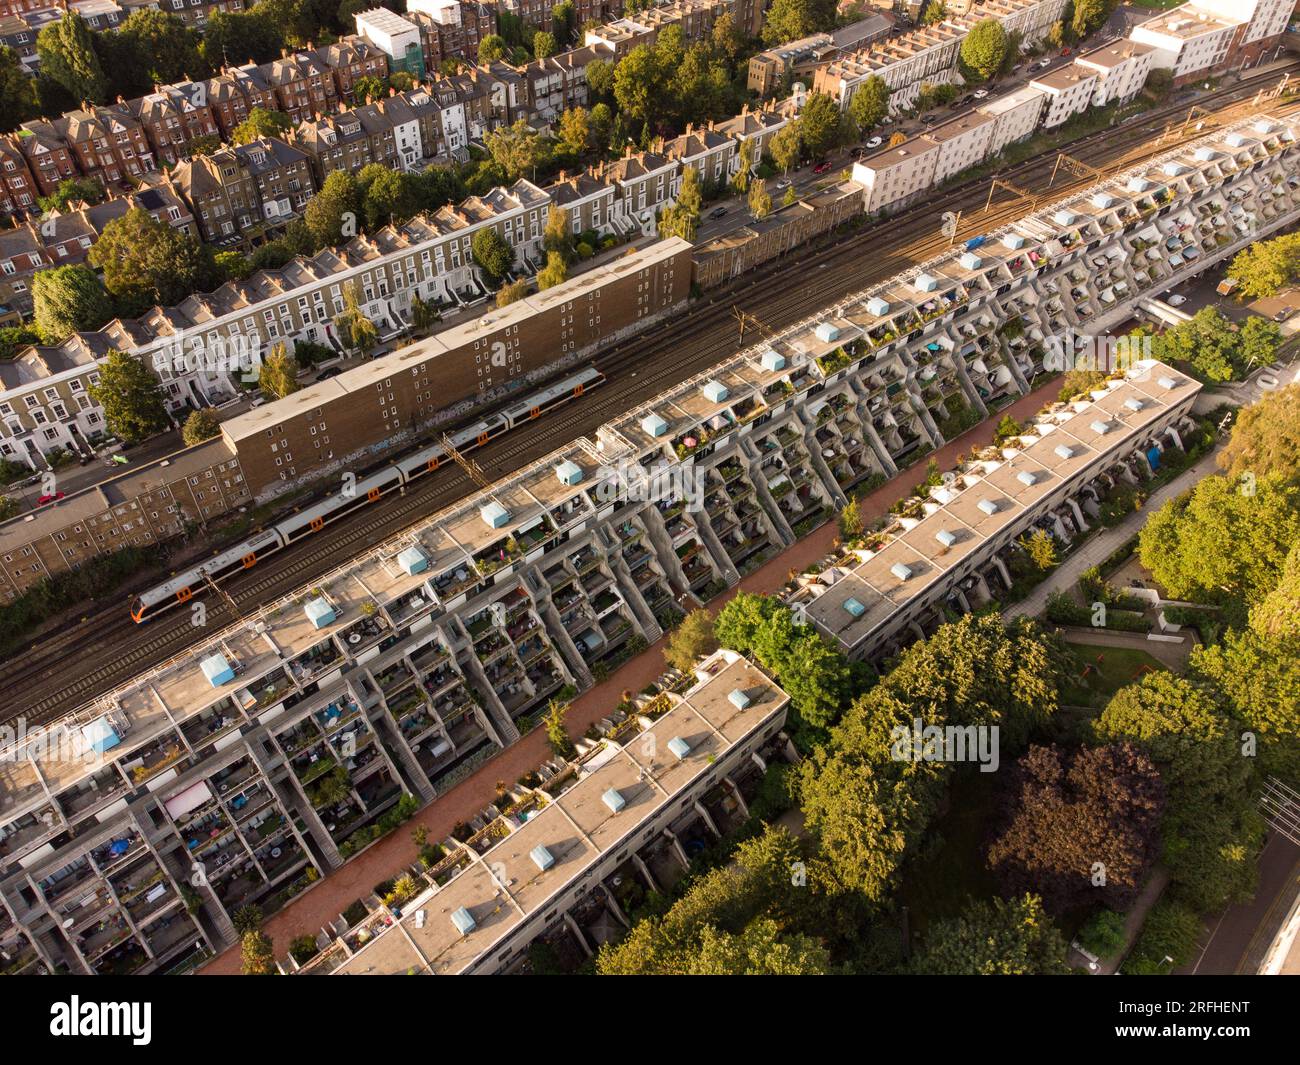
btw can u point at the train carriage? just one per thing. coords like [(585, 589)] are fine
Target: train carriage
[(369, 490), (344, 501), (184, 586)]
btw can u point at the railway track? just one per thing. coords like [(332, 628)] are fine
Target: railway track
[(40, 685)]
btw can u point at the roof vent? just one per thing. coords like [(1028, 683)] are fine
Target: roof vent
[(901, 571), (988, 506)]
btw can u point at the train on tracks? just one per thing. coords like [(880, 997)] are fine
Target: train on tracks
[(244, 556)]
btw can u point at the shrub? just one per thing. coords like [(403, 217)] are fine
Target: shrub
[(1103, 935)]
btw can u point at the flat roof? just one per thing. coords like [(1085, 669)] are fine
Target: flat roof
[(503, 887), (985, 499)]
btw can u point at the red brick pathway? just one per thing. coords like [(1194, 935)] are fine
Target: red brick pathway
[(323, 903)]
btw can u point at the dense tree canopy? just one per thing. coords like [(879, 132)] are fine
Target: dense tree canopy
[(1224, 540), (147, 262), (749, 917), (1211, 831), (67, 53), (17, 91), (1265, 439), (132, 399), (68, 299), (983, 50), (790, 20), (1266, 267), (1079, 828), (996, 938)]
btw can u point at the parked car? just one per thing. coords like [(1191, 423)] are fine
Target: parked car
[(875, 142), (784, 183), (1283, 314), (1175, 300), (333, 371), (821, 168), (979, 94), (717, 212), (49, 498), (1043, 64)]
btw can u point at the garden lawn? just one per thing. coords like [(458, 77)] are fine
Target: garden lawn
[(1119, 666)]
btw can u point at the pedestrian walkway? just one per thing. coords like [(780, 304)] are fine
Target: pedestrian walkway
[(1095, 550), (323, 902)]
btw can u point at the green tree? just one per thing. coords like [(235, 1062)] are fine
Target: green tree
[(1224, 540), (760, 201), (746, 917), (1266, 267), (72, 190), (357, 332), (555, 272), (600, 121), (851, 519), (791, 20), (67, 53), (166, 49), (1089, 15), (237, 37), (600, 81), (132, 399), (512, 293), (1265, 438), (492, 254), (983, 50), (202, 424), (1214, 347), (332, 214), (869, 104), (1040, 546), (819, 124), (556, 237), (1001, 937), (146, 262), (564, 24), (17, 91), (68, 299), (745, 170), (557, 735), (934, 13), (1211, 830), (690, 641), (491, 48), (388, 196), (260, 123), (424, 314), (574, 130), (279, 374), (367, 88), (517, 148), (683, 218), (232, 265), (257, 955), (544, 45), (787, 146), (637, 83)]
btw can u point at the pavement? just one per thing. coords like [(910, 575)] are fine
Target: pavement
[(1096, 549), (324, 901), (1237, 940)]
